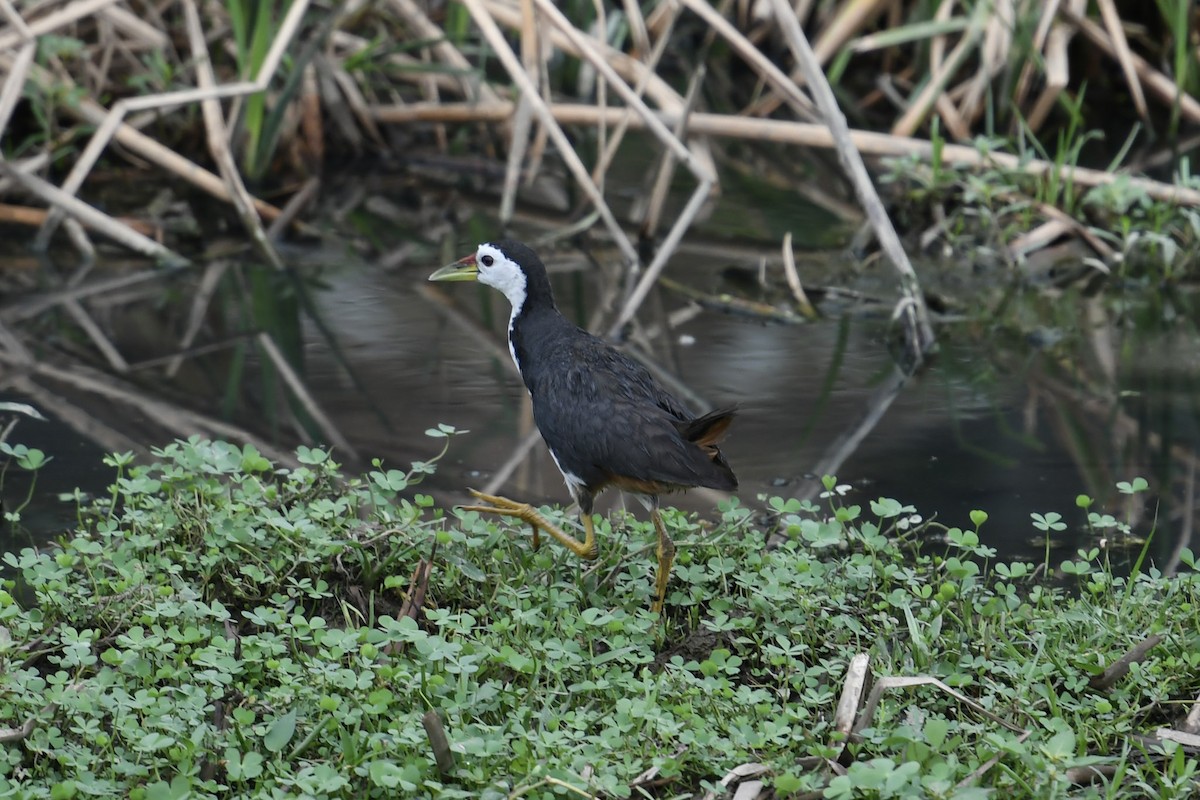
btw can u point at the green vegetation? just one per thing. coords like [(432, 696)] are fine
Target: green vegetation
[(219, 627)]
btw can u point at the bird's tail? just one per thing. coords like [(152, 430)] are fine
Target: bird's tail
[(707, 431)]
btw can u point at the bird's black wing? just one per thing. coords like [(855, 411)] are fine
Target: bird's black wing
[(605, 418)]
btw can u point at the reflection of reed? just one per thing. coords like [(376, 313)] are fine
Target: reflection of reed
[(1082, 390)]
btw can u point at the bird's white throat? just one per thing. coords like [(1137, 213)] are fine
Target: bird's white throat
[(501, 272)]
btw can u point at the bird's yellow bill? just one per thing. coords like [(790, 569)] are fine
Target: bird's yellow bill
[(465, 269)]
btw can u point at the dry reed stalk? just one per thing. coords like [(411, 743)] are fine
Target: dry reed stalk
[(651, 61), (358, 104), (766, 69), (706, 178), (937, 52), (112, 122), (295, 204), (595, 57), (601, 26), (521, 122), (793, 279), (512, 64), (149, 37), (52, 22), (637, 28), (1038, 44), (919, 107), (920, 334), (993, 57), (423, 28), (91, 217), (180, 421), (661, 187), (1154, 81), (1124, 56), (804, 134), (218, 139), (850, 18), (1057, 74), (14, 84), (22, 215), (658, 90)]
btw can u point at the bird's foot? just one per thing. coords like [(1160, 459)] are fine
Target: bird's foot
[(527, 513)]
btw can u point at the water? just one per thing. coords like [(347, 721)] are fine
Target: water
[(1019, 413)]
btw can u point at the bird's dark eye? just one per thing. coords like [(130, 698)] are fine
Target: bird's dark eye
[(487, 261)]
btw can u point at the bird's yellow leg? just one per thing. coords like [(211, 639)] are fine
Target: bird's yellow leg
[(523, 511), (666, 558)]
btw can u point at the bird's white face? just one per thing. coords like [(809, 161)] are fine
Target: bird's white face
[(501, 272)]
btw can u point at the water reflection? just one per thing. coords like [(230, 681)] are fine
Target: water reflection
[(1056, 396)]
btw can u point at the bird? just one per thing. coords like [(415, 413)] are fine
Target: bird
[(605, 419)]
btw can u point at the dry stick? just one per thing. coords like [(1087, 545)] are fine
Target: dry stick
[(593, 56), (661, 256), (666, 166), (849, 18), (1112, 21), (919, 107), (807, 135), (706, 178), (423, 28), (1192, 723), (1120, 668), (519, 131), (601, 26), (151, 38), (937, 52), (332, 434), (772, 74), (793, 278), (65, 16), (112, 122), (618, 135), (518, 456), (15, 82), (218, 140), (658, 90), (922, 332), (509, 59), (91, 217), (537, 148), (993, 56), (1155, 82), (31, 164), (1057, 75)]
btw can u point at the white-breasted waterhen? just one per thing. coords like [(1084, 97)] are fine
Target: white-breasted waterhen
[(603, 417)]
